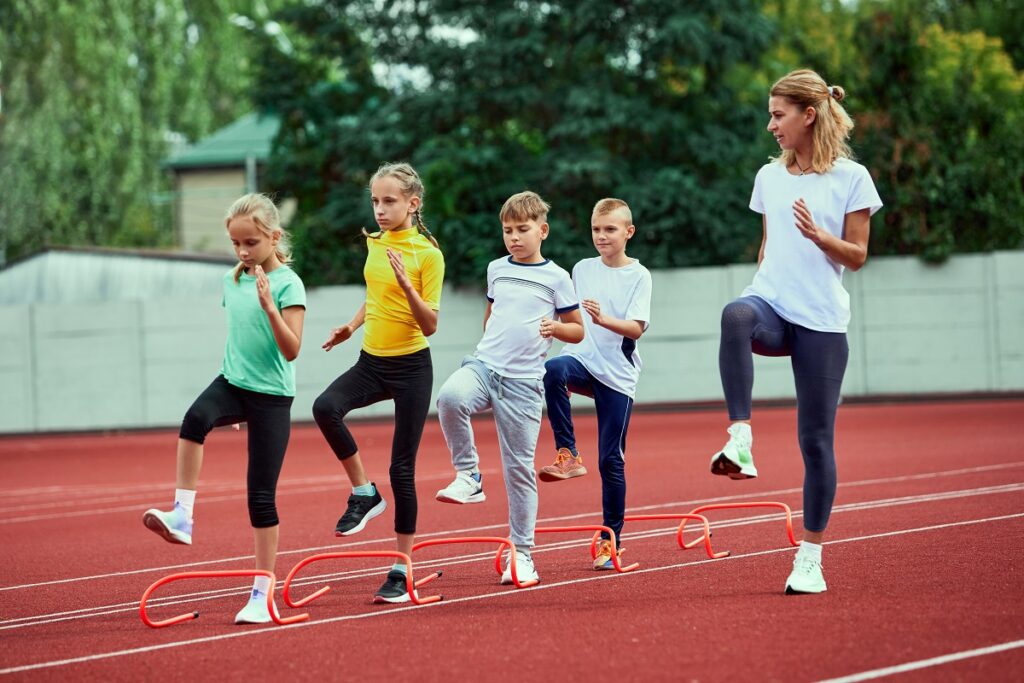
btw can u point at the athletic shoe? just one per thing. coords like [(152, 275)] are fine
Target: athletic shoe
[(566, 466), (806, 576), (361, 509), (394, 589), (255, 611), (174, 526), (525, 571), (465, 488), (603, 559), (735, 458)]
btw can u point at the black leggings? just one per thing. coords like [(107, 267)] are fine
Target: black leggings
[(749, 324), (269, 426), (408, 380)]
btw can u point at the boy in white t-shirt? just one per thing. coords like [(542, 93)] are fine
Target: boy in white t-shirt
[(616, 293), (525, 293)]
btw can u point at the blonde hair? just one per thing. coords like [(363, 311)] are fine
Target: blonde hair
[(261, 209), (411, 186), (832, 125), (610, 204), (525, 206)]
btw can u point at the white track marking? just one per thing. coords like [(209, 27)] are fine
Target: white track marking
[(36, 620), (925, 663), (585, 515), (611, 576)]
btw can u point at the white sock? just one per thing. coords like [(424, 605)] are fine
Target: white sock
[(186, 499), (812, 550), (262, 584)]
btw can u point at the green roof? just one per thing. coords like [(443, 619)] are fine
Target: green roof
[(250, 135)]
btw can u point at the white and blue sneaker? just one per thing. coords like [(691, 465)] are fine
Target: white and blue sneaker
[(174, 526), (255, 611), (465, 488)]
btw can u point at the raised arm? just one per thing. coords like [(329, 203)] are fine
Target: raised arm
[(426, 317), (286, 325), (627, 328), (568, 328), (852, 249)]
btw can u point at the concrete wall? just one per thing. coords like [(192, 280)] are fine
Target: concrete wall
[(916, 328)]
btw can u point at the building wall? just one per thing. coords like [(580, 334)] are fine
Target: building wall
[(126, 364), (203, 197)]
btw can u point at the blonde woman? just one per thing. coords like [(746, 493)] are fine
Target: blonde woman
[(265, 304), (816, 206)]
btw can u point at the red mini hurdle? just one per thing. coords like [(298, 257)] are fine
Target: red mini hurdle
[(213, 574)]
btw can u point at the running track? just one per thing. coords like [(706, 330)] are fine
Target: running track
[(923, 562)]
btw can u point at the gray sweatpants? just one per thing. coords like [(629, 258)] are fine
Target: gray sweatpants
[(516, 404)]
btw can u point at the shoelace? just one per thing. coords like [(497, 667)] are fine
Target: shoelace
[(604, 548), (807, 565), (357, 507)]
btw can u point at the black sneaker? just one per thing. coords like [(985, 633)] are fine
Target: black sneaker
[(394, 589), (361, 509)]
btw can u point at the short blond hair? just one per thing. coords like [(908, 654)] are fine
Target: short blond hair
[(525, 206), (609, 204)]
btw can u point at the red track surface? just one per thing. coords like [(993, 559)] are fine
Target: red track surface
[(924, 560)]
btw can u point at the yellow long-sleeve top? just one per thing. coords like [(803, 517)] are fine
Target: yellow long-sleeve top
[(391, 329)]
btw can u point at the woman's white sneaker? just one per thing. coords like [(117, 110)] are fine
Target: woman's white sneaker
[(806, 576), (735, 460)]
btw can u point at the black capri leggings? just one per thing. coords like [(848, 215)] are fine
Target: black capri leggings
[(269, 426), (749, 324), (408, 380)]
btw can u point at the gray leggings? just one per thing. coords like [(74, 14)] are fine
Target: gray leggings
[(749, 324)]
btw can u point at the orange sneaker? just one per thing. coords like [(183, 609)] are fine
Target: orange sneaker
[(566, 466), (603, 559)]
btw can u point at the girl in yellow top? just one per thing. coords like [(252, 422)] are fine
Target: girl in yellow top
[(404, 270)]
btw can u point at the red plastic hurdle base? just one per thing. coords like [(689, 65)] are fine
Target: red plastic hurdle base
[(732, 506), (597, 529), (679, 531), (502, 544), (411, 584), (188, 616)]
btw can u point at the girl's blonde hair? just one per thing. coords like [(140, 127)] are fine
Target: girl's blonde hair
[(411, 186), (832, 125), (261, 209)]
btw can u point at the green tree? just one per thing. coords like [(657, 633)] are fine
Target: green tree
[(941, 135), (647, 100), (91, 91)]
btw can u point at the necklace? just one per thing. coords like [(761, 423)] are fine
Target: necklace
[(802, 169)]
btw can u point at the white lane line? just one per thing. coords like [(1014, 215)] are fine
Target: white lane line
[(305, 551), (36, 620), (925, 663), (453, 601), (319, 485)]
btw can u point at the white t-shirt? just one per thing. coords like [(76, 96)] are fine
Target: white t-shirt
[(624, 293), (801, 283), (520, 295)]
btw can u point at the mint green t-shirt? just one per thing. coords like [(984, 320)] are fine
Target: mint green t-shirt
[(251, 358)]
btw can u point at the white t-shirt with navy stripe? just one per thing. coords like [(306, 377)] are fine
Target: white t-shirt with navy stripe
[(796, 278), (624, 293), (520, 295)]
